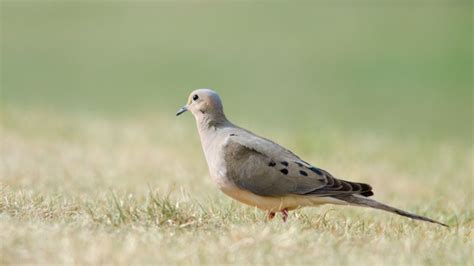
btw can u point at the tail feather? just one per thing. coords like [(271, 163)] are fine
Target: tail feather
[(366, 202)]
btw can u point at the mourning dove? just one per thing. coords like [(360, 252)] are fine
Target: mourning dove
[(260, 173)]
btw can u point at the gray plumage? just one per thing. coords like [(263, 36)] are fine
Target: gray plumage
[(249, 157), (261, 173)]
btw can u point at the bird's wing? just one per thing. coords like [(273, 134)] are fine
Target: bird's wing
[(267, 169)]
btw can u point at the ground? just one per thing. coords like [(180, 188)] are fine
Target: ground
[(95, 168), (82, 189)]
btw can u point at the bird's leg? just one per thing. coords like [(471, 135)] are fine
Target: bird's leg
[(270, 216), (284, 212)]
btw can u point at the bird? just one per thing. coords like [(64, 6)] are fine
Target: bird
[(261, 173)]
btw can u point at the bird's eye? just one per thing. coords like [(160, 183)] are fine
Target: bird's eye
[(195, 97)]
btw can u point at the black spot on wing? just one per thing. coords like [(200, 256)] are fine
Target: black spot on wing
[(285, 163), (272, 164), (284, 171), (232, 135), (316, 170), (299, 164), (303, 173)]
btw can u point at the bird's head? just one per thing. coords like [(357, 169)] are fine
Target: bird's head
[(204, 103)]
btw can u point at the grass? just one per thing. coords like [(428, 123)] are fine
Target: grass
[(95, 168), (90, 190)]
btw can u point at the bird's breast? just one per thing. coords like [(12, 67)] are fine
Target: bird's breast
[(221, 180)]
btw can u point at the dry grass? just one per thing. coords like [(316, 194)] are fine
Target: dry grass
[(79, 189)]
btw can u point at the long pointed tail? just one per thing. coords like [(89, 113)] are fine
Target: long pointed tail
[(366, 202)]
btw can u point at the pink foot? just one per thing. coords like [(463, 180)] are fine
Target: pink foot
[(284, 212), (270, 215)]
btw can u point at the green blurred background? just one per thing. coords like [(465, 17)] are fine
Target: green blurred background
[(399, 68)]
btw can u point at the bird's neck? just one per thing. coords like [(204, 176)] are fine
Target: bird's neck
[(209, 127), (207, 121)]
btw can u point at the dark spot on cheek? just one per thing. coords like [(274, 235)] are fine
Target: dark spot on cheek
[(303, 173), (284, 171), (316, 170), (272, 164), (285, 163)]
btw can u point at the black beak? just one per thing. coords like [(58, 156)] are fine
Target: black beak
[(182, 110)]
